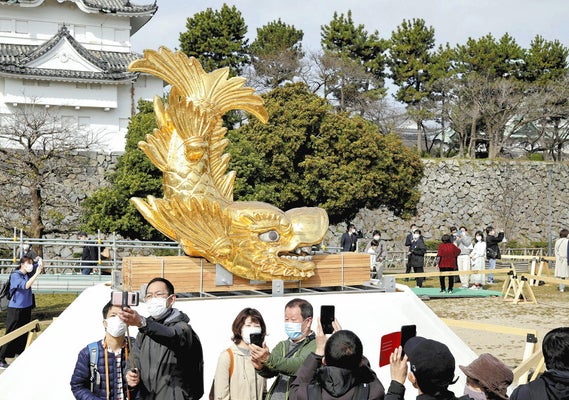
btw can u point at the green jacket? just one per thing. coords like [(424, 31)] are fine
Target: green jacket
[(278, 364)]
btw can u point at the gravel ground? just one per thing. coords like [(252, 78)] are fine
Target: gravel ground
[(551, 311)]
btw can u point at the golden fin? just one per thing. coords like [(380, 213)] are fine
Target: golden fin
[(213, 91)]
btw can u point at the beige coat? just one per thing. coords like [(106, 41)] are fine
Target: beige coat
[(561, 268), (244, 384)]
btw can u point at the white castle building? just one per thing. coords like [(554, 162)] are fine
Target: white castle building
[(72, 56)]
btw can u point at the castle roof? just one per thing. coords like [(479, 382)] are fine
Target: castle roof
[(24, 61)]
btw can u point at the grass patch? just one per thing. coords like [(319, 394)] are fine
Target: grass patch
[(48, 306)]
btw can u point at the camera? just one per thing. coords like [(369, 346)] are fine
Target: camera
[(124, 299)]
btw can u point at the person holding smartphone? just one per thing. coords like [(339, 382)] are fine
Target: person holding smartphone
[(235, 376), (20, 307), (108, 377), (336, 370), (288, 355)]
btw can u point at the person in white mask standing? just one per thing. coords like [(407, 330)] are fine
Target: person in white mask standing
[(288, 355), (235, 376), (101, 371), (20, 307), (167, 352)]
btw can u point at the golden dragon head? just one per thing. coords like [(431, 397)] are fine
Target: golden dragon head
[(254, 240)]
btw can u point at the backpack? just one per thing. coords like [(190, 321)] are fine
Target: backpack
[(314, 392), (231, 363), (6, 293), (95, 376)]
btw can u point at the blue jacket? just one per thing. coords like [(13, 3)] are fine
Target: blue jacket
[(81, 378), (21, 297)]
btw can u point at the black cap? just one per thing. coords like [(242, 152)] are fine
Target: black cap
[(431, 362)]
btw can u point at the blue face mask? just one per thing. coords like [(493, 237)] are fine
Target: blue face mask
[(293, 330)]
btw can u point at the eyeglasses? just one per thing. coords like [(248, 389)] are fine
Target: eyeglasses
[(150, 296)]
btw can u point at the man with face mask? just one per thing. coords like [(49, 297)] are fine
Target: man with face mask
[(109, 377), (288, 355), (19, 311), (167, 351)]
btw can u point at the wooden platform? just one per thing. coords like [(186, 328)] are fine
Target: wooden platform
[(189, 274)]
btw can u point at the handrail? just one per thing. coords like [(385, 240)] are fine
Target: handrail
[(535, 363), (30, 327)]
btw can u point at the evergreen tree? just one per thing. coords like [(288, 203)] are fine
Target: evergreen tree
[(109, 208), (308, 155), (217, 39), (410, 49), (545, 60), (360, 70), (490, 58), (276, 53)]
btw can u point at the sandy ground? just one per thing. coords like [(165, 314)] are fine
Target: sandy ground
[(551, 311)]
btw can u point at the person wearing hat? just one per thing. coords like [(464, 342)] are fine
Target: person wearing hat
[(553, 384), (487, 378), (431, 370)]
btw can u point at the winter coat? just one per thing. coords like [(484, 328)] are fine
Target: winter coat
[(417, 253), (396, 391), (447, 253), (244, 383), (333, 382), (561, 268), (81, 378), (169, 356), (279, 364), (492, 243), (551, 385)]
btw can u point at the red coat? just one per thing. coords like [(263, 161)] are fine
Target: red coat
[(448, 253)]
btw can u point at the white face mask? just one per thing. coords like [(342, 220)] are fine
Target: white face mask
[(479, 238), (246, 331), (29, 267), (115, 327), (416, 235), (376, 237), (156, 306)]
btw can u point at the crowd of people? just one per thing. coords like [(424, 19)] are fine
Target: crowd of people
[(165, 361), (456, 252)]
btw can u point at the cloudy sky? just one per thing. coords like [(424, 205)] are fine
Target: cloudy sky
[(454, 20)]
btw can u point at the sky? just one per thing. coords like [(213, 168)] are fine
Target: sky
[(454, 21)]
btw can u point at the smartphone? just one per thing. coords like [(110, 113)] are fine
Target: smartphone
[(256, 339), (407, 332), (326, 319), (124, 299)]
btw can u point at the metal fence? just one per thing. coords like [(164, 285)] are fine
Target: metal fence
[(56, 263)]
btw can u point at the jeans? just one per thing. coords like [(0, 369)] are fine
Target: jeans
[(491, 265)]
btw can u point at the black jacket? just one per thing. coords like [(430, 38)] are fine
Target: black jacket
[(169, 356), (396, 391), (334, 383), (417, 253), (492, 243), (551, 385)]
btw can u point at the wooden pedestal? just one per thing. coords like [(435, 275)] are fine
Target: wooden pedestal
[(189, 274)]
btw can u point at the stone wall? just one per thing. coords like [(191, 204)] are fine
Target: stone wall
[(62, 194), (520, 197)]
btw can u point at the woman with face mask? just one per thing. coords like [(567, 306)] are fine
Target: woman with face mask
[(478, 259), (20, 307), (235, 376), (107, 377), (377, 251)]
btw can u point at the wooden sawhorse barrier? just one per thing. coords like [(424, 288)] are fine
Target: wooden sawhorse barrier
[(517, 288)]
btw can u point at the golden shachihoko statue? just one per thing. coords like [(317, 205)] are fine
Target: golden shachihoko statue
[(254, 240)]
